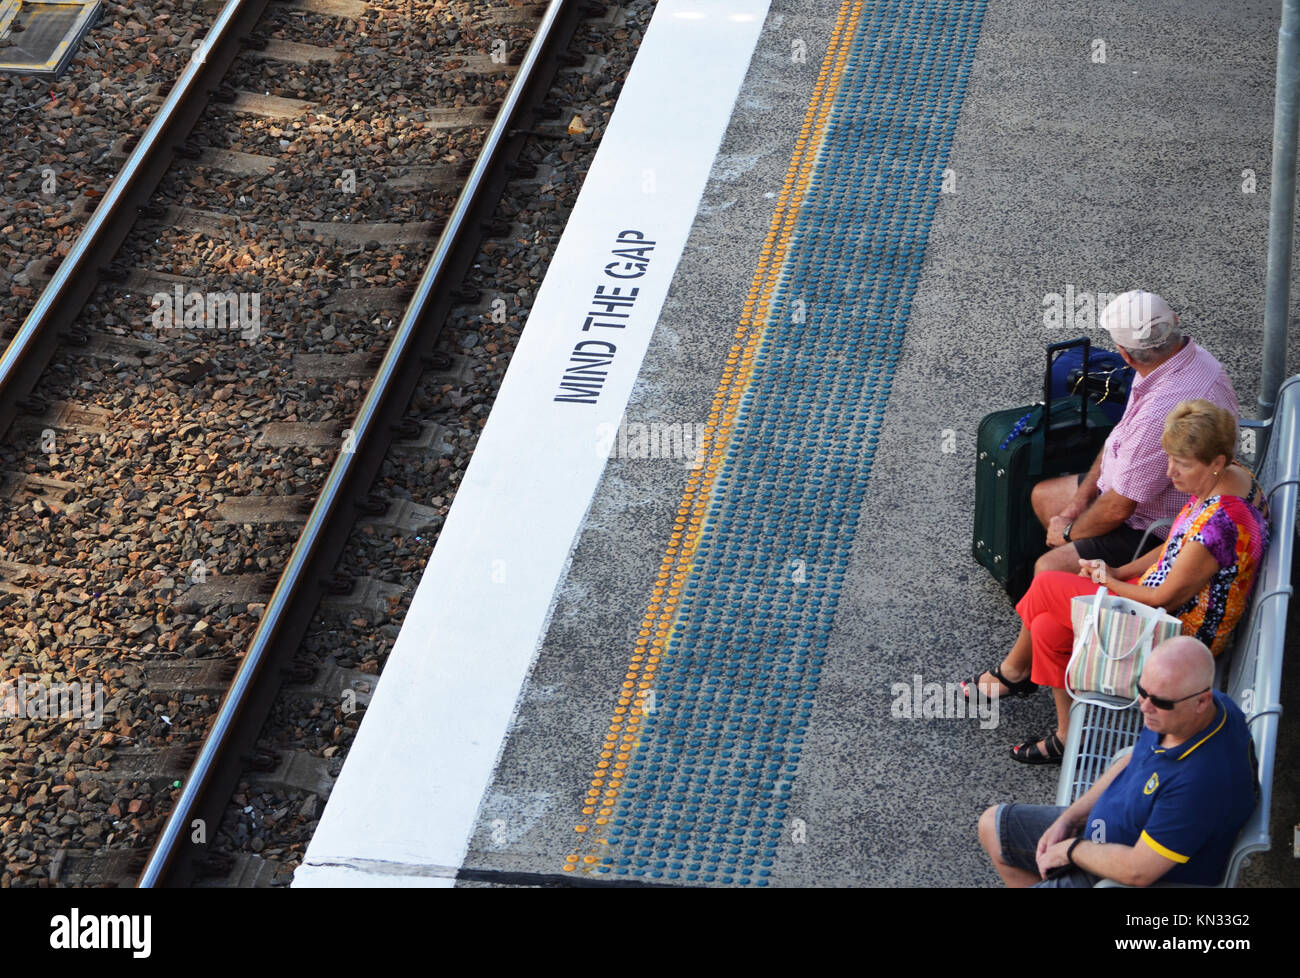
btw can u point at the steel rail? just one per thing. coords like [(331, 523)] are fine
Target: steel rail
[(299, 588), (61, 301)]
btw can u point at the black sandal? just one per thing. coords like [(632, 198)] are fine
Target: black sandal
[(1029, 753), (1023, 688)]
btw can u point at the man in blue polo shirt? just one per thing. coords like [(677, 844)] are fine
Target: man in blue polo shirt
[(1168, 811)]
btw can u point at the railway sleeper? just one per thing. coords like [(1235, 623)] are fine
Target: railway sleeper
[(296, 770), (367, 594), (75, 419), (351, 687), (244, 870), (90, 868), (157, 767), (196, 676), (429, 435), (236, 589)]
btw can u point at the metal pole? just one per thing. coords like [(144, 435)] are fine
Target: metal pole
[(1281, 212)]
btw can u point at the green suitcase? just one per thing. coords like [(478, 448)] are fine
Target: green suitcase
[(1017, 448)]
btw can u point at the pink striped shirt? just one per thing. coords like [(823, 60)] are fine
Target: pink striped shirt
[(1133, 463)]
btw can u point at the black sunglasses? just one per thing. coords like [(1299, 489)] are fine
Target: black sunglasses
[(1160, 703)]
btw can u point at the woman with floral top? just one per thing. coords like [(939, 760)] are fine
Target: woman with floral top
[(1202, 574)]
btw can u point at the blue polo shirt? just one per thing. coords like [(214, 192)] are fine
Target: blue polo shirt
[(1187, 802)]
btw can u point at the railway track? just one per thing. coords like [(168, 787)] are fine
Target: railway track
[(219, 376)]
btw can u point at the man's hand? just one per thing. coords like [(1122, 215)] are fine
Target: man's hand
[(1055, 855), (1056, 531), (1058, 830), (1095, 569)]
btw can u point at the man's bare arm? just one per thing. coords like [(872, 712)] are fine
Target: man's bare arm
[(1108, 511), (1135, 865), (1086, 491)]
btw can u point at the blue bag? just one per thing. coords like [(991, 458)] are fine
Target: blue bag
[(1109, 379)]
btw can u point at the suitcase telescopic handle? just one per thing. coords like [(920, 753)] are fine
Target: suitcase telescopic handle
[(1053, 351)]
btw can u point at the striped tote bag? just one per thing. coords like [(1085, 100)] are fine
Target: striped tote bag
[(1112, 638)]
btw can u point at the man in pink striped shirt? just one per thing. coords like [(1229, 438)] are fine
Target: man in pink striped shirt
[(1102, 514)]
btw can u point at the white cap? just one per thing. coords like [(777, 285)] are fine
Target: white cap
[(1139, 320)]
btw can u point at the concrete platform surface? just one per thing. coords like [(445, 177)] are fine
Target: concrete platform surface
[(1099, 146)]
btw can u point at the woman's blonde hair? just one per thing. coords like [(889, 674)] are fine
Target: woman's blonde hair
[(1200, 430)]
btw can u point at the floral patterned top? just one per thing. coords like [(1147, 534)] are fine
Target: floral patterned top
[(1235, 531)]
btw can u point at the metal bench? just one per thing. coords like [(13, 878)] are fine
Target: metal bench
[(1251, 672)]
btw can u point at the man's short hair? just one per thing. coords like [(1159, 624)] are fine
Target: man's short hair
[(1157, 353)]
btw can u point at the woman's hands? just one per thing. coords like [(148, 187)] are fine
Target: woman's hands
[(1095, 569), (1190, 572)]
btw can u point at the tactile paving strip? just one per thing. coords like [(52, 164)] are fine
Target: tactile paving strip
[(694, 782)]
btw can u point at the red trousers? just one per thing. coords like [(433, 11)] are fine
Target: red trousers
[(1045, 610)]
